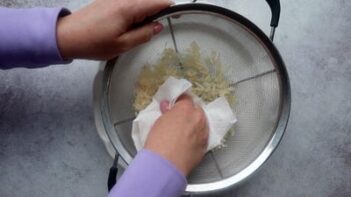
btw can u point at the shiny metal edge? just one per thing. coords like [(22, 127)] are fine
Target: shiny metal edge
[(97, 97), (105, 113)]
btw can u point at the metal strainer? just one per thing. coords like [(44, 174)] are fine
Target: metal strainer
[(254, 68)]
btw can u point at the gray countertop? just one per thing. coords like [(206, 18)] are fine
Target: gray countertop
[(48, 140)]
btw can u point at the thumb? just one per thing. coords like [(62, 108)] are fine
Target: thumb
[(140, 35)]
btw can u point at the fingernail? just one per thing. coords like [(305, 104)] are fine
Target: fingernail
[(158, 27), (164, 106)]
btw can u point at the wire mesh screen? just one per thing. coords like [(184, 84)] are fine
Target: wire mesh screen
[(248, 67)]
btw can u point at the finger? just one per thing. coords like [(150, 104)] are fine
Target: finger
[(206, 135), (139, 36), (206, 131), (184, 97), (164, 106), (205, 141), (203, 127), (202, 119)]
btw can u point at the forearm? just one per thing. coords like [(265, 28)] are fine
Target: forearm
[(101, 30), (150, 175), (29, 38)]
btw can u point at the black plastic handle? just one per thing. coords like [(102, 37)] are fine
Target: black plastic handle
[(275, 9), (112, 176)]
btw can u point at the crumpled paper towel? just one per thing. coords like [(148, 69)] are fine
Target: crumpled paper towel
[(220, 116)]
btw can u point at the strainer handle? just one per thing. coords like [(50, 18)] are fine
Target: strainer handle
[(112, 176), (275, 9)]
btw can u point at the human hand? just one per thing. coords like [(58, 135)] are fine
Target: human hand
[(180, 135), (103, 29)]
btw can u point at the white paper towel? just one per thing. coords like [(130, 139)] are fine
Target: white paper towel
[(219, 114)]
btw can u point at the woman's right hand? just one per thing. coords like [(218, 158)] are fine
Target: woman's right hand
[(104, 29), (180, 135)]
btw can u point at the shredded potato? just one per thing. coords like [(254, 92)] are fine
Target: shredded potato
[(206, 75)]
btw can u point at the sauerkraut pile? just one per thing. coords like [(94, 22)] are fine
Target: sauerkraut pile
[(205, 73)]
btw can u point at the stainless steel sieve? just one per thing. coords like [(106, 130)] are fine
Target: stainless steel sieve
[(253, 66)]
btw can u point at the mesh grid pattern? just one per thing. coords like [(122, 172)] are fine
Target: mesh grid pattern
[(257, 99)]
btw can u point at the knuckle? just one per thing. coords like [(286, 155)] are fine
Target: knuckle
[(124, 8), (185, 105), (200, 116)]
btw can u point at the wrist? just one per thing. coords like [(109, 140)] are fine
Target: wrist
[(64, 42), (176, 161)]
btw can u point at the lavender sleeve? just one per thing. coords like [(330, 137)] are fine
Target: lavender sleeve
[(150, 175), (28, 37)]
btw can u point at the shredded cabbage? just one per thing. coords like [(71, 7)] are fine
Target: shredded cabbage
[(206, 75)]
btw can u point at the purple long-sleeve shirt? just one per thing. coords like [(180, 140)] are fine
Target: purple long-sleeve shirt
[(28, 39)]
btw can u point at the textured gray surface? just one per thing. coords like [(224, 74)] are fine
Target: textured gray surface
[(48, 140)]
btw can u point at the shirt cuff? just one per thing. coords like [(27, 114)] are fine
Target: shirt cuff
[(150, 175), (29, 37)]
